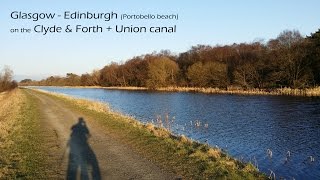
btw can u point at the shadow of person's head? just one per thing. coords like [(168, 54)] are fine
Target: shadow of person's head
[(80, 130), (81, 121)]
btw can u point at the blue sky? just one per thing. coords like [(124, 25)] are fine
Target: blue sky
[(200, 22)]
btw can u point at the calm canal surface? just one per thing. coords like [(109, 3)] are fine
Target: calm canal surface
[(245, 126)]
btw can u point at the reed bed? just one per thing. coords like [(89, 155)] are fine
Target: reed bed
[(278, 91), (133, 88)]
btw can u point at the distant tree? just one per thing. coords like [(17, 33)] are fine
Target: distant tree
[(72, 80), (216, 74), (250, 69), (6, 75), (135, 71), (287, 38), (162, 72), (26, 81), (6, 79), (313, 48), (109, 75), (300, 72), (86, 80), (196, 74), (95, 77), (51, 81), (289, 60), (92, 79), (210, 74), (186, 59), (13, 84), (245, 74)]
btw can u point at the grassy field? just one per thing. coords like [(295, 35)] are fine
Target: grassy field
[(177, 154), (21, 146)]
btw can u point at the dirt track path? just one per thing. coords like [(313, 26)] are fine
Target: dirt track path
[(101, 156)]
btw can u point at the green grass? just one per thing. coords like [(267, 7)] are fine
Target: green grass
[(180, 155), (25, 154)]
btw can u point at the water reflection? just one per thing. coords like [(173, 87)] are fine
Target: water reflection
[(82, 160)]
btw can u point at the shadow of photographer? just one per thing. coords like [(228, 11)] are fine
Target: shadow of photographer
[(82, 160)]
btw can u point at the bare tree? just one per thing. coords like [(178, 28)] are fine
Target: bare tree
[(6, 79)]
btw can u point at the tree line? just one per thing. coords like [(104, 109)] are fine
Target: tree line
[(6, 79), (289, 60)]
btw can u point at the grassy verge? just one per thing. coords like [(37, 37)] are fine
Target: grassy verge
[(21, 154), (178, 154)]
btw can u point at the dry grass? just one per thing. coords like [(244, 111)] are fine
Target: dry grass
[(295, 92), (127, 88), (234, 90), (21, 155), (95, 106), (10, 105), (214, 153)]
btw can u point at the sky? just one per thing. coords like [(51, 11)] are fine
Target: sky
[(209, 22)]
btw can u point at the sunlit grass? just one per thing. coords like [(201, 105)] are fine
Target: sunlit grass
[(20, 144), (95, 106), (9, 108)]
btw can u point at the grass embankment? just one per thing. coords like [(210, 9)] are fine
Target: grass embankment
[(21, 145), (178, 154)]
